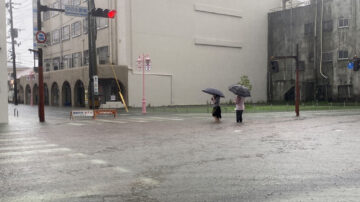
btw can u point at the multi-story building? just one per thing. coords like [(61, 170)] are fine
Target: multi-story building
[(326, 32), (193, 44), (3, 69)]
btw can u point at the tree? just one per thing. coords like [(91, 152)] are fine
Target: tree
[(244, 81)]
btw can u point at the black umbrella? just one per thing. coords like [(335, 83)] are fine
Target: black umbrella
[(213, 91), (240, 90)]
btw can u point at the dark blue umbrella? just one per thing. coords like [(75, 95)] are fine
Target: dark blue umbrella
[(213, 91), (240, 90)]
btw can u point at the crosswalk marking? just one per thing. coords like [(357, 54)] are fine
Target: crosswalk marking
[(18, 139), (27, 147), (5, 154), (111, 121), (32, 142)]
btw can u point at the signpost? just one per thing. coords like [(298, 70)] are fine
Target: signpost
[(96, 85), (77, 11)]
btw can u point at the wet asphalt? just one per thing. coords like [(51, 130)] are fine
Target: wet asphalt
[(180, 157)]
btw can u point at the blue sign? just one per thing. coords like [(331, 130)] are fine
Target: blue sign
[(351, 65), (76, 11)]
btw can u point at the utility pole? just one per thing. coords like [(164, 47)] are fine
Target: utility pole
[(12, 33), (40, 68), (92, 35)]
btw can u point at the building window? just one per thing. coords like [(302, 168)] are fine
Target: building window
[(56, 63), (76, 29), (309, 28), (102, 23), (76, 2), (56, 36), (345, 91), (76, 59), (48, 39), (67, 61), (55, 5), (65, 3), (103, 54), (328, 26), (66, 33), (86, 57), (47, 63), (85, 25), (327, 57), (343, 54), (46, 15), (343, 22)]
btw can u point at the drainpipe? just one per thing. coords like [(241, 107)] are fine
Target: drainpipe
[(321, 39)]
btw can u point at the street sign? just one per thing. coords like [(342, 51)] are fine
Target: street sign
[(96, 85), (40, 37), (77, 11), (351, 65)]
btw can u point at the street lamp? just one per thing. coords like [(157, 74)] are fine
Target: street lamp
[(144, 63)]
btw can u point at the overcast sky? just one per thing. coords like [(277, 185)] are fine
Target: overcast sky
[(23, 20)]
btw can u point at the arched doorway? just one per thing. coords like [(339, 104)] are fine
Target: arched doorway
[(21, 95), (46, 94), (109, 90), (55, 94), (27, 94), (35, 94), (66, 94), (79, 94)]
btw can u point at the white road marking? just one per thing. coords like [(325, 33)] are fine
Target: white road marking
[(121, 170), (149, 181), (76, 155), (76, 124), (111, 121), (237, 131), (24, 142), (165, 118), (19, 139), (98, 162), (5, 154), (27, 147)]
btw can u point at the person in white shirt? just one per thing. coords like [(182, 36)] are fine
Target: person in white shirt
[(240, 107)]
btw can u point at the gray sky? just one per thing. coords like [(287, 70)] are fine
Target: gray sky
[(22, 14)]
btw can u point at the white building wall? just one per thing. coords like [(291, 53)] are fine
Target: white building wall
[(193, 44), (3, 67)]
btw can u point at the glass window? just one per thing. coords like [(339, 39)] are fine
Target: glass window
[(66, 33), (56, 63), (343, 22), (56, 36), (343, 54), (47, 63), (76, 29), (86, 57), (102, 23), (55, 5), (103, 55), (76, 2), (76, 59), (46, 15), (85, 25), (48, 39), (65, 2), (67, 61)]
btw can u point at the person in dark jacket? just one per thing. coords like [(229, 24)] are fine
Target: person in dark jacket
[(216, 113)]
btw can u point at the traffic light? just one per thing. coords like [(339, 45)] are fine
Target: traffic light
[(104, 13), (356, 64), (274, 65)]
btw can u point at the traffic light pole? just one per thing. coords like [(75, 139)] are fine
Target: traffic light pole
[(92, 31), (297, 88)]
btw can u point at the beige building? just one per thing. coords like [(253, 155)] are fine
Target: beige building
[(3, 70), (193, 44)]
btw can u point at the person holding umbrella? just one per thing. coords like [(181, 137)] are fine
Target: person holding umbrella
[(240, 107), (241, 92), (216, 113)]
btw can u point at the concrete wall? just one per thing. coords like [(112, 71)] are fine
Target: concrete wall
[(3, 70), (287, 28), (193, 44)]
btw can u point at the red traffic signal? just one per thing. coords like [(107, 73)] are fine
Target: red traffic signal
[(104, 13)]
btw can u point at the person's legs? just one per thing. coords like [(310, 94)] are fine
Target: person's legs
[(237, 116), (240, 116)]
